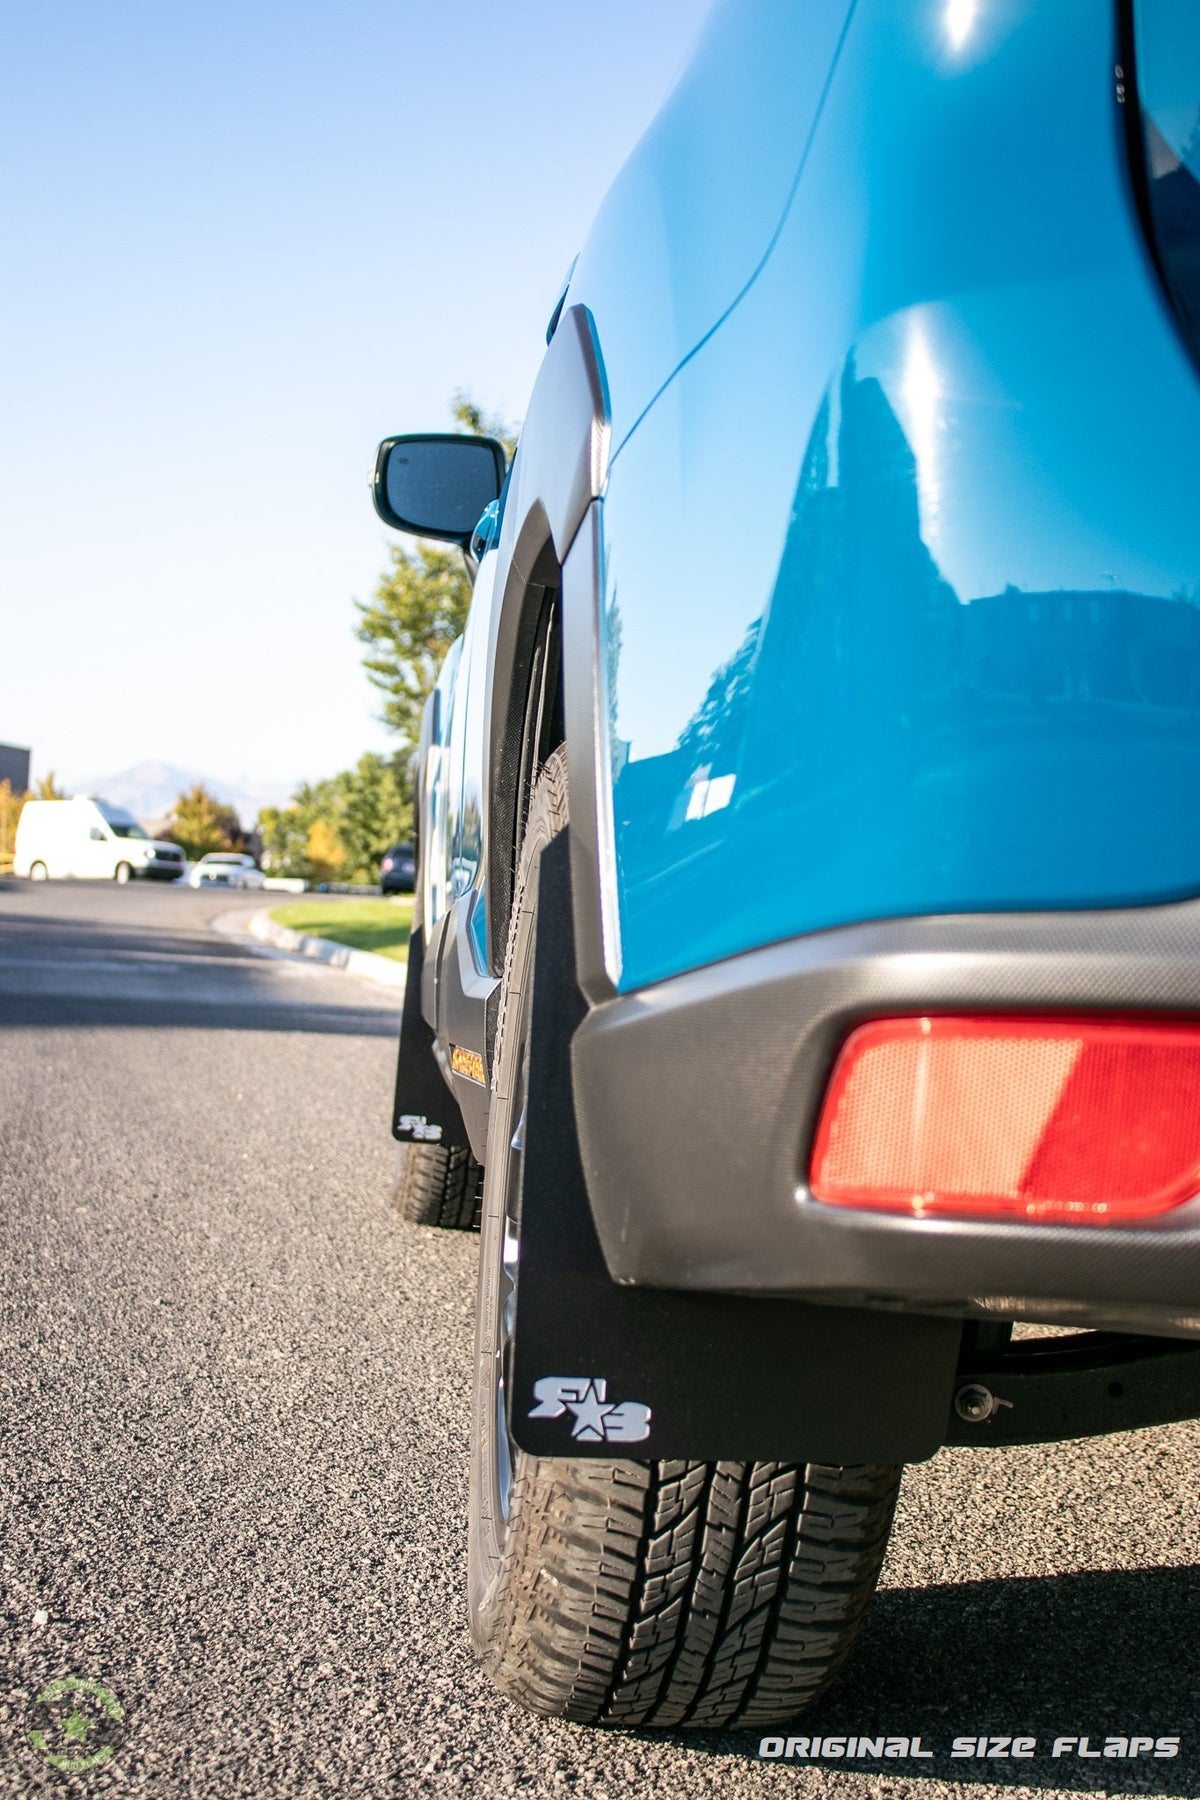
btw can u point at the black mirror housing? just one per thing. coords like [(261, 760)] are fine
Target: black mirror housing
[(437, 484)]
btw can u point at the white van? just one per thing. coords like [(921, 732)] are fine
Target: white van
[(89, 838)]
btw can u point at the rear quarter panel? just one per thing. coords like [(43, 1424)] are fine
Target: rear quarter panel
[(902, 568), (699, 204)]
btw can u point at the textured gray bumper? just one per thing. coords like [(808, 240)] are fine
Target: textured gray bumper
[(697, 1099)]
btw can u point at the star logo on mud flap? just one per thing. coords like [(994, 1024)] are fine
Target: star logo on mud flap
[(596, 1419)]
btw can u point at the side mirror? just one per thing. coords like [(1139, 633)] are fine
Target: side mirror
[(97, 835), (436, 486)]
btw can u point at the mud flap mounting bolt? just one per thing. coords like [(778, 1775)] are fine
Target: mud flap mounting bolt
[(976, 1403)]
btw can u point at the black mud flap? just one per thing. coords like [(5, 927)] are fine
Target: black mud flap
[(424, 1110), (603, 1370)]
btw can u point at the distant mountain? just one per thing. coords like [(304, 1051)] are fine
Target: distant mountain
[(149, 790)]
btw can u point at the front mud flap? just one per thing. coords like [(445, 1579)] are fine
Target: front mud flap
[(424, 1111), (603, 1370)]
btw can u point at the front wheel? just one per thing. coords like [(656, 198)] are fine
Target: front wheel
[(123, 873), (439, 1185), (632, 1593)]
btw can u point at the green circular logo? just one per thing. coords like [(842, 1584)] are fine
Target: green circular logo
[(77, 1724)]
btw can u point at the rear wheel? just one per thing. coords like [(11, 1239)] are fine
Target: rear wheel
[(38, 872), (632, 1593), (439, 1186)]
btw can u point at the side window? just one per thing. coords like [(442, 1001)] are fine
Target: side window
[(475, 674), (435, 848), (1167, 63), (456, 883)]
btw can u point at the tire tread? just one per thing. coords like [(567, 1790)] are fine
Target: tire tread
[(670, 1593), (702, 1595), (440, 1185)]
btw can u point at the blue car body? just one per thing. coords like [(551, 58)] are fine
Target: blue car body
[(807, 937), (900, 528), (864, 460), (901, 532)]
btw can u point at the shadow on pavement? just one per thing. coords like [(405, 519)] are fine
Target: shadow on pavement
[(47, 1012), (1104, 1654), (41, 935), (64, 972)]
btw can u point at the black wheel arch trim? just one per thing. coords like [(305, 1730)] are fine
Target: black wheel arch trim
[(560, 470)]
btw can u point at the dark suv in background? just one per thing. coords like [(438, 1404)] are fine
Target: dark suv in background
[(398, 870)]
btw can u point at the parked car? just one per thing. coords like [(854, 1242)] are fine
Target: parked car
[(398, 870), (226, 868), (91, 840), (806, 939)]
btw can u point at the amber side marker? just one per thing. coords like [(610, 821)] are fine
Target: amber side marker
[(1068, 1121), (468, 1063)]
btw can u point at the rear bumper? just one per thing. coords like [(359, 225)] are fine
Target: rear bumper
[(697, 1101)]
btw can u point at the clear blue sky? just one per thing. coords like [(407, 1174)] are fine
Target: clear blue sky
[(240, 244)]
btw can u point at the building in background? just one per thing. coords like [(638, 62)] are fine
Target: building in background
[(14, 767)]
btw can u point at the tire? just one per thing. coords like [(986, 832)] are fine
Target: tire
[(629, 1593), (439, 1186), (38, 872), (123, 873)]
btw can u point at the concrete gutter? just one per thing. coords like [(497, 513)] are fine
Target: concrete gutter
[(363, 963)]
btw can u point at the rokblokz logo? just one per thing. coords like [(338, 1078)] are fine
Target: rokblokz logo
[(998, 1747), (595, 1418)]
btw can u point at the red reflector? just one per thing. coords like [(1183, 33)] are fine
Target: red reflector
[(1075, 1121)]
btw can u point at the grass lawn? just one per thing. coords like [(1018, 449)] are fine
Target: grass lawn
[(379, 925)]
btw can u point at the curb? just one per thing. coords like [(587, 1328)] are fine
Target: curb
[(363, 963)]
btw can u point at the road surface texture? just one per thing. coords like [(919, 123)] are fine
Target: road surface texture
[(233, 1438)]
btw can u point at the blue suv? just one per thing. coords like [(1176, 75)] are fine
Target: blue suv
[(804, 994)]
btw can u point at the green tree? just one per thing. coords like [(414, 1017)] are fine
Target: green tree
[(11, 802), (287, 834), (470, 415), (419, 608), (324, 853), (420, 605), (374, 812), (339, 829), (199, 823), (284, 834)]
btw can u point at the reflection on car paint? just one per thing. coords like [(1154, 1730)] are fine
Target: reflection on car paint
[(908, 553), (694, 213)]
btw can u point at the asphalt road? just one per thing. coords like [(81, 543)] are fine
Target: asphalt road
[(233, 1425)]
